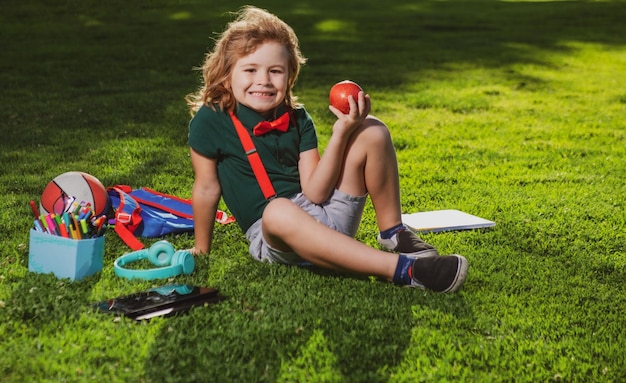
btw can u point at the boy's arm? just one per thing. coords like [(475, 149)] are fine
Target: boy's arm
[(205, 197), (319, 176)]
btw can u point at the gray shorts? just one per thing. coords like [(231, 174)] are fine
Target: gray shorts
[(342, 212)]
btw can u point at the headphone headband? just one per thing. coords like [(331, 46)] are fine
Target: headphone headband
[(171, 263)]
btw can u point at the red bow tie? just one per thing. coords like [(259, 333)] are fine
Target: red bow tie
[(281, 124)]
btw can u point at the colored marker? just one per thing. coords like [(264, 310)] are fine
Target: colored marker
[(76, 228), (38, 226), (100, 231), (61, 226), (66, 221), (100, 222), (50, 224), (42, 220), (72, 230), (83, 225), (33, 207)]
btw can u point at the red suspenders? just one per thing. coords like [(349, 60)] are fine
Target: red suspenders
[(254, 159)]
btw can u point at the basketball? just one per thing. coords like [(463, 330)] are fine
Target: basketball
[(84, 187)]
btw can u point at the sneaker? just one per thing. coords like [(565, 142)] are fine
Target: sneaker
[(444, 274), (409, 244)]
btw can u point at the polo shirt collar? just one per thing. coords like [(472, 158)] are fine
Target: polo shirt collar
[(249, 118)]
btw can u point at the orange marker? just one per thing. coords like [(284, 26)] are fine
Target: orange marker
[(61, 227)]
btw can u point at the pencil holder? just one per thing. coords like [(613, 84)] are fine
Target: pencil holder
[(65, 257)]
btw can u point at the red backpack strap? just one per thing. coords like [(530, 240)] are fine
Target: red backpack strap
[(253, 157), (125, 222), (129, 238)]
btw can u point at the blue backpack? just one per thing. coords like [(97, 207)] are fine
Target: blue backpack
[(148, 213)]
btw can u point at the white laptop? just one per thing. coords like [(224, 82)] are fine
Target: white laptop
[(444, 220)]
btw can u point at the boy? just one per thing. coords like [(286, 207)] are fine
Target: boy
[(312, 219)]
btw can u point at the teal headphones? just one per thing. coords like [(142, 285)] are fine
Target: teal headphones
[(162, 254)]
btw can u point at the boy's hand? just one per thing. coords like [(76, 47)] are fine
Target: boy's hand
[(195, 252), (346, 124)]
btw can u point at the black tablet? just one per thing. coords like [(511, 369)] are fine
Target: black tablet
[(163, 301)]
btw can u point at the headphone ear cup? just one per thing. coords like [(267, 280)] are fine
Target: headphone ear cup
[(184, 259), (161, 253)]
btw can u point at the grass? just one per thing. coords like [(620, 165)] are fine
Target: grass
[(513, 111)]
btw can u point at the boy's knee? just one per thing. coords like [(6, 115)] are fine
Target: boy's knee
[(375, 130), (276, 212), (281, 217), (374, 123)]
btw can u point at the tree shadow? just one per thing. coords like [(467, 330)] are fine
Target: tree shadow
[(403, 43), (67, 112), (268, 324)]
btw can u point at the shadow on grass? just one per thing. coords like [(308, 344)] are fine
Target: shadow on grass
[(282, 319), (389, 45)]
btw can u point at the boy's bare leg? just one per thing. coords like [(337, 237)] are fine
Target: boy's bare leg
[(287, 227), (370, 166)]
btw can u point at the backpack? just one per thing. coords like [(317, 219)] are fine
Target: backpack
[(148, 213)]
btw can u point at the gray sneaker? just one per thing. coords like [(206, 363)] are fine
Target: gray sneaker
[(445, 274), (409, 244)]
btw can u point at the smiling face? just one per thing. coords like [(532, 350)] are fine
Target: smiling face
[(259, 80)]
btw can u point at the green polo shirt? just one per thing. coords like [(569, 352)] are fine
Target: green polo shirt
[(213, 135)]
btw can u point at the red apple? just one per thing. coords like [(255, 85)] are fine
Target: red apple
[(339, 95)]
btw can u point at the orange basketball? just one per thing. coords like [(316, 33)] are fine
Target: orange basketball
[(82, 186)]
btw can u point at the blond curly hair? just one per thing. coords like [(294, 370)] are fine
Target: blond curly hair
[(242, 36)]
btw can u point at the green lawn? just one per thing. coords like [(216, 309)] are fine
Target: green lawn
[(513, 111)]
